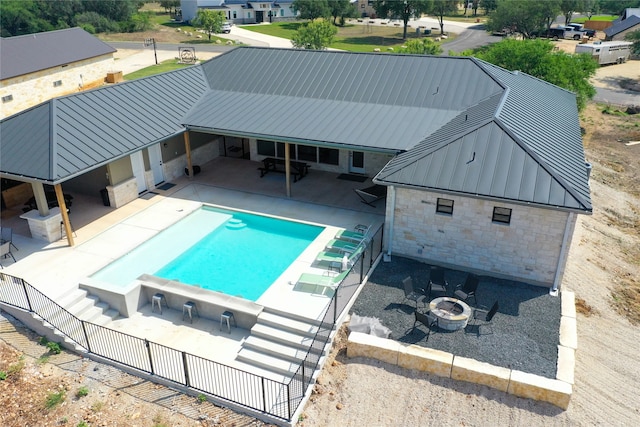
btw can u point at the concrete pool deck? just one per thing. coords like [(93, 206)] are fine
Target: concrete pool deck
[(57, 269)]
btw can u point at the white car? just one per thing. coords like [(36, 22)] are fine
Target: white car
[(226, 27)]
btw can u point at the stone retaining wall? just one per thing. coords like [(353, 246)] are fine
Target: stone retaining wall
[(555, 391)]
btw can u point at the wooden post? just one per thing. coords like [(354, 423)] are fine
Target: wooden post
[(287, 167), (187, 149), (41, 198), (63, 212)]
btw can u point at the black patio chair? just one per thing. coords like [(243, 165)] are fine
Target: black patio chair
[(482, 317), (468, 289), (410, 294), (6, 235), (426, 321), (437, 282)]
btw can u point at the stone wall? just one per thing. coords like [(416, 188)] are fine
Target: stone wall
[(527, 249), (32, 89)]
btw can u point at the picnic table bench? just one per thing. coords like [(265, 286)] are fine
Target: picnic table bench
[(271, 164)]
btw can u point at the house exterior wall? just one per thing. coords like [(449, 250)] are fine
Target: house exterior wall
[(32, 89), (621, 35), (527, 249)]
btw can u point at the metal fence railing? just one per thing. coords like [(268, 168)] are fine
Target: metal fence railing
[(275, 398)]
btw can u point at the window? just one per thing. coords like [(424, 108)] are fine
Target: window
[(444, 206), (266, 148), (281, 12), (307, 153), (304, 153), (57, 83), (7, 98), (235, 14), (501, 215), (328, 156)]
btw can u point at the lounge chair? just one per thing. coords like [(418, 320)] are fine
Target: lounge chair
[(354, 236), (338, 258), (342, 245), (320, 282), (372, 194)]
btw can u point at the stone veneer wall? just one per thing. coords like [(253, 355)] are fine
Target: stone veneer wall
[(32, 89), (527, 249)]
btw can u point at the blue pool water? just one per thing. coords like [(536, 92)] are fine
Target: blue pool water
[(236, 253)]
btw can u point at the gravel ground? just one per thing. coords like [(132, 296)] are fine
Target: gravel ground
[(523, 334)]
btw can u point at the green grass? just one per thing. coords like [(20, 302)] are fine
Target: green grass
[(168, 65), (54, 399), (595, 18), (351, 37)]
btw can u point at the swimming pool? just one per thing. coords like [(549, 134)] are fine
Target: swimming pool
[(237, 253)]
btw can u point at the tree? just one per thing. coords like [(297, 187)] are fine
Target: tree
[(524, 16), (616, 7), (311, 9), (342, 9), (170, 5), (440, 8), (316, 34), (568, 7), (537, 58), (424, 46), (634, 37), (210, 21), (402, 10), (489, 5)]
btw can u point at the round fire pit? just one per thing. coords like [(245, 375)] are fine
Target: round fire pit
[(452, 314)]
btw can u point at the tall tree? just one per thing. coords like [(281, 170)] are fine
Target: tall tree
[(524, 16), (316, 34), (539, 59), (489, 5), (616, 7), (569, 7), (312, 9), (342, 9), (402, 10), (424, 46), (209, 20), (440, 8)]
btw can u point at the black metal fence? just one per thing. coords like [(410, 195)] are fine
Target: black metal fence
[(278, 399)]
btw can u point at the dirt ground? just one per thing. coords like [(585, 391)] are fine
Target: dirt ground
[(603, 271)]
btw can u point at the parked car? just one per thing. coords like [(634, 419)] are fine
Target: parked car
[(551, 33), (226, 27), (588, 32)]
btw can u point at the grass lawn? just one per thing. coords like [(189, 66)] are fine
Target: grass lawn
[(353, 38), (595, 18), (168, 65)]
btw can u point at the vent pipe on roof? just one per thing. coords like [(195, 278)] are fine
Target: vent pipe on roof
[(588, 165)]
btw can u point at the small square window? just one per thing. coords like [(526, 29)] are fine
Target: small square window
[(501, 215), (444, 206), (7, 98), (57, 83)]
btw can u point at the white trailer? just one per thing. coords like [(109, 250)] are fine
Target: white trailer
[(613, 52)]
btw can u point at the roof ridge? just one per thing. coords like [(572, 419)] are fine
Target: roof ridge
[(543, 164)]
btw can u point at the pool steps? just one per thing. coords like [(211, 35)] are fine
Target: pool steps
[(279, 342), (235, 224)]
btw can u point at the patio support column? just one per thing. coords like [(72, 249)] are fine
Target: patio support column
[(187, 149), (41, 198), (63, 212), (287, 167), (562, 257)]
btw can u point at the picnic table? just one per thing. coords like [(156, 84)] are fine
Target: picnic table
[(272, 164)]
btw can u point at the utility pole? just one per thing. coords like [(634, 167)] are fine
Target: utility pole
[(149, 42)]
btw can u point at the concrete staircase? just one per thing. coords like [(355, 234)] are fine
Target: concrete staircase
[(279, 342)]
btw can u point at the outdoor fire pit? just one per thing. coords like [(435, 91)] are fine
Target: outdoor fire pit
[(452, 314)]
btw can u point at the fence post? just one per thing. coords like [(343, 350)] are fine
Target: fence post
[(264, 395), (26, 294), (289, 396), (86, 336), (146, 344), (186, 370)]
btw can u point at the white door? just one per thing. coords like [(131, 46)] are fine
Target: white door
[(155, 161), (356, 162), (137, 164)]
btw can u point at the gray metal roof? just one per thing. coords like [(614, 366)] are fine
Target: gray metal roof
[(35, 52), (622, 25), (524, 132), (67, 136), (523, 146)]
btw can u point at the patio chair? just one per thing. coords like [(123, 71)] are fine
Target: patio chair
[(410, 294), (5, 251), (338, 259), (437, 282), (342, 246), (6, 235), (354, 236), (321, 282), (482, 317), (426, 321), (468, 289)]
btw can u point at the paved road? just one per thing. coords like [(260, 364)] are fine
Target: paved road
[(471, 38), (620, 97)]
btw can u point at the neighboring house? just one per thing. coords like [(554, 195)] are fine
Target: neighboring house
[(627, 23), (485, 168), (41, 66), (241, 11)]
